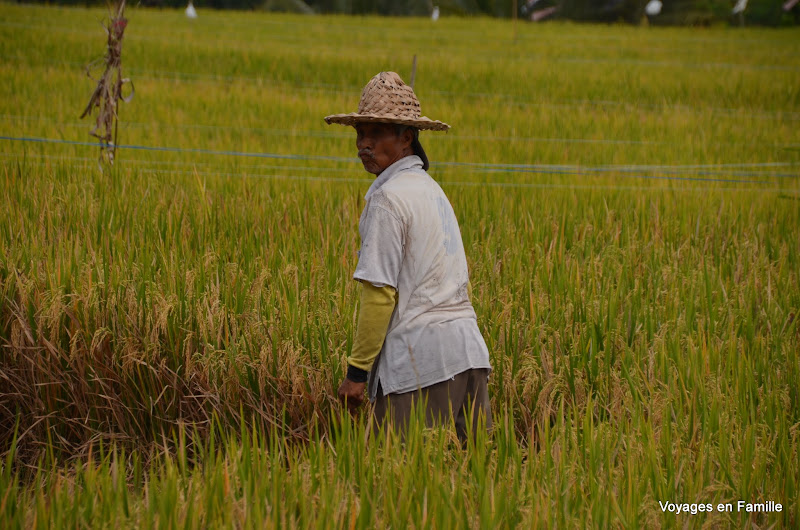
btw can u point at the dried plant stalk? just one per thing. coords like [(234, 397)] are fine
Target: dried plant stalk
[(108, 93)]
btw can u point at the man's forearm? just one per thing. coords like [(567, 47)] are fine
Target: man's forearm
[(374, 315)]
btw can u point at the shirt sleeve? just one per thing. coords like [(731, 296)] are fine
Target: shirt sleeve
[(374, 315), (382, 247)]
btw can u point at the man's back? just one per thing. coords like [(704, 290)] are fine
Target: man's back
[(411, 241)]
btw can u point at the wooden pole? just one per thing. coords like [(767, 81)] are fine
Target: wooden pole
[(514, 17)]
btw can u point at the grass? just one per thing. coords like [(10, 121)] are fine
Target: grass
[(173, 330)]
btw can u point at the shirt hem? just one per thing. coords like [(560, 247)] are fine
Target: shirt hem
[(402, 388)]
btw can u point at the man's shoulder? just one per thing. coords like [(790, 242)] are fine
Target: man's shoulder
[(409, 182)]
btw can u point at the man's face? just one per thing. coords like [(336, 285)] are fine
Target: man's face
[(379, 146)]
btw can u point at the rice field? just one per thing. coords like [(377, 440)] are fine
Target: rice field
[(173, 329)]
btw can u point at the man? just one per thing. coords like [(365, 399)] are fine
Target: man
[(417, 339)]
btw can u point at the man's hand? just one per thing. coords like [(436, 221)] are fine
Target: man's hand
[(352, 394)]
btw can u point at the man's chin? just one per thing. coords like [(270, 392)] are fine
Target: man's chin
[(372, 168)]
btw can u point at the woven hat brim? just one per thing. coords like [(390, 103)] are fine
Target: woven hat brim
[(422, 123)]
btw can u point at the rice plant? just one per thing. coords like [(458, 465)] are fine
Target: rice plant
[(173, 330)]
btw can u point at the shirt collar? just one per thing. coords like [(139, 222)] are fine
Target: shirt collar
[(409, 162)]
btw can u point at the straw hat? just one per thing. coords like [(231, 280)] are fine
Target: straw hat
[(387, 99)]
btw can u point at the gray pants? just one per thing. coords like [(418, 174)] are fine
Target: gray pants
[(464, 396)]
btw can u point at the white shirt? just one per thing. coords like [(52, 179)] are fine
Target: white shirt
[(410, 240)]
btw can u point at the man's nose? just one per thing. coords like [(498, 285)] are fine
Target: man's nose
[(363, 142)]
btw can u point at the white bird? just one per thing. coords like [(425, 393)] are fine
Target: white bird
[(653, 7), (740, 6), (190, 11), (435, 14)]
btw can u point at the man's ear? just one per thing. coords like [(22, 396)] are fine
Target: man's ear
[(408, 138)]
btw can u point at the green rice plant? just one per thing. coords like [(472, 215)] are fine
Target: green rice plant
[(173, 328)]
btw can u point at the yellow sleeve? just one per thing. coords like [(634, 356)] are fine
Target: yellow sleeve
[(377, 306)]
